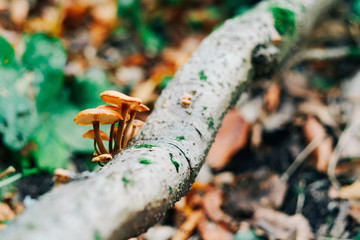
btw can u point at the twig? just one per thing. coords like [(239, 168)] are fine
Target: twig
[(340, 221), (7, 171), (344, 137), (10, 180), (317, 54), (301, 158)]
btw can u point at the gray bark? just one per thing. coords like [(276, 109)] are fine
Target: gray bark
[(126, 197)]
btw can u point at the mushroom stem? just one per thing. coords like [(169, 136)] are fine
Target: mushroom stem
[(95, 147), (120, 131), (98, 138), (132, 116), (131, 134), (111, 137)]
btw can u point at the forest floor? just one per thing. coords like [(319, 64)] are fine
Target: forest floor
[(286, 162)]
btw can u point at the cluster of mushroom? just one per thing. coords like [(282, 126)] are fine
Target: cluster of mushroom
[(120, 114)]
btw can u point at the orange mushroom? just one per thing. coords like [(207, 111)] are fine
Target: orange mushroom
[(133, 111), (95, 117), (126, 103), (91, 135), (136, 123)]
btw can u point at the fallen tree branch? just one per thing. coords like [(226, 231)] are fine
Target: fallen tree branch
[(127, 196)]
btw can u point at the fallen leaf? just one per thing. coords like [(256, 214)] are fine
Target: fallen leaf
[(278, 225), (19, 10), (6, 213), (212, 202), (272, 97), (350, 191), (231, 137), (187, 228), (316, 108), (212, 231), (261, 188), (322, 154)]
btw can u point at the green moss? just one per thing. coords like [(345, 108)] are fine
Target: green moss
[(202, 76), (171, 190), (97, 235), (145, 146), (176, 164), (180, 138), (284, 20), (204, 108), (144, 161), (126, 181), (30, 226), (210, 123)]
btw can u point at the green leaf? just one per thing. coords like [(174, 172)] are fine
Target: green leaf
[(50, 153), (18, 114), (86, 89), (152, 42), (64, 128), (7, 56), (44, 53), (46, 57)]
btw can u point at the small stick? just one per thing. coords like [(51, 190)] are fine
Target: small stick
[(7, 171), (300, 158)]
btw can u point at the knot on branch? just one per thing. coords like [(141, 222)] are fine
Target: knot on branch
[(265, 58)]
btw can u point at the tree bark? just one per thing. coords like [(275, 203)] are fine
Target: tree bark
[(129, 195)]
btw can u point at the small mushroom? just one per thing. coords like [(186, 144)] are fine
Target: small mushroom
[(62, 176), (185, 103), (133, 111), (126, 103), (112, 129), (103, 158), (135, 124), (91, 135), (95, 117)]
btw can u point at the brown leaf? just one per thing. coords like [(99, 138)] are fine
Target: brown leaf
[(316, 108), (351, 191), (272, 97), (231, 137), (212, 201), (254, 190), (6, 213), (19, 10), (187, 228), (278, 225), (322, 154), (211, 231)]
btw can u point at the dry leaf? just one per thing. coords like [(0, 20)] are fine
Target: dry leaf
[(187, 228), (322, 154), (256, 189), (316, 108), (296, 85), (351, 191), (278, 225), (211, 231), (231, 137), (6, 213), (19, 10), (272, 97), (212, 201)]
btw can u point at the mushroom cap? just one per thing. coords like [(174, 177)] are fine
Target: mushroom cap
[(103, 116), (185, 102), (102, 158), (118, 98), (140, 108), (110, 107), (91, 134), (137, 123)]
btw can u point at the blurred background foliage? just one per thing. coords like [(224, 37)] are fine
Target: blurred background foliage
[(56, 57)]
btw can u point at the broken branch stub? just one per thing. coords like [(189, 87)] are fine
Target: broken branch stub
[(136, 188)]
